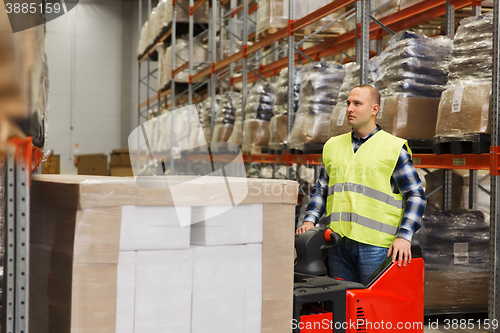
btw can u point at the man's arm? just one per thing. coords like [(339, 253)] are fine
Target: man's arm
[(316, 206), (408, 182)]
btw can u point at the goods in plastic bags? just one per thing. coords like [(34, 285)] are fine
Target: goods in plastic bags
[(320, 87), (224, 123), (260, 101), (206, 116), (414, 65), (235, 137), (258, 113), (465, 104), (279, 122), (182, 56), (144, 41), (455, 241)]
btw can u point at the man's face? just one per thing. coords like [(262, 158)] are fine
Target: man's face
[(360, 108)]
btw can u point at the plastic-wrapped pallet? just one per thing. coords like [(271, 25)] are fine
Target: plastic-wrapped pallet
[(279, 122), (273, 15), (390, 8), (412, 74), (235, 137), (338, 121), (160, 19), (465, 104), (206, 116), (258, 113), (182, 56), (455, 247), (182, 12), (224, 123), (144, 42), (162, 79), (319, 91), (197, 137)]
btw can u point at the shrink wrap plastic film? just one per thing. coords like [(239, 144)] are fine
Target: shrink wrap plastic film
[(338, 120), (160, 19), (197, 138), (465, 104), (224, 123), (455, 241), (319, 91), (144, 42), (258, 113), (273, 14), (387, 9), (182, 56), (279, 122), (235, 137), (414, 65), (206, 116), (162, 73)]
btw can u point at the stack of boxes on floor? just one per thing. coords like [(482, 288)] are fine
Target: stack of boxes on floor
[(465, 104), (319, 91), (278, 126), (412, 74), (258, 113), (108, 256)]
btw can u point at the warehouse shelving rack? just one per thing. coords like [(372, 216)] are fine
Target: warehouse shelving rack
[(359, 39)]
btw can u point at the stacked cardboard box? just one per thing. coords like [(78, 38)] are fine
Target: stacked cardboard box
[(109, 256), (52, 164), (93, 164), (120, 163)]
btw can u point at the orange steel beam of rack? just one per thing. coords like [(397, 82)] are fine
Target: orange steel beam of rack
[(465, 161), (280, 34), (406, 18)]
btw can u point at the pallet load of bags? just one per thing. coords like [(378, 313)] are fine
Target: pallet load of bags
[(224, 122), (258, 114), (319, 91), (412, 74), (464, 111), (338, 120), (279, 122)]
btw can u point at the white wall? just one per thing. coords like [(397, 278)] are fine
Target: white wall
[(84, 52)]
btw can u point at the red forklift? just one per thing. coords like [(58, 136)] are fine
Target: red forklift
[(391, 300)]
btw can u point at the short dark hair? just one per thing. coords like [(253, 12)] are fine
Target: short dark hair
[(373, 92)]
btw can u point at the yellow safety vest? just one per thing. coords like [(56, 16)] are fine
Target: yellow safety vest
[(360, 203)]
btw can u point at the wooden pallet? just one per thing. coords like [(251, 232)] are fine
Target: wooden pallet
[(309, 148), (421, 146), (277, 148), (468, 143), (255, 150)]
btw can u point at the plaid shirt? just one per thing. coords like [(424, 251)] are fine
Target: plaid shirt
[(404, 180)]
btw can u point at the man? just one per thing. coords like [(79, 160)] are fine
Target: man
[(370, 190)]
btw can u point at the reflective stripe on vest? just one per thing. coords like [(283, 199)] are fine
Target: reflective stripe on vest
[(364, 221), (369, 192)]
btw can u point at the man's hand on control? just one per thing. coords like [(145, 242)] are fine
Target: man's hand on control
[(305, 226), (402, 247)]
